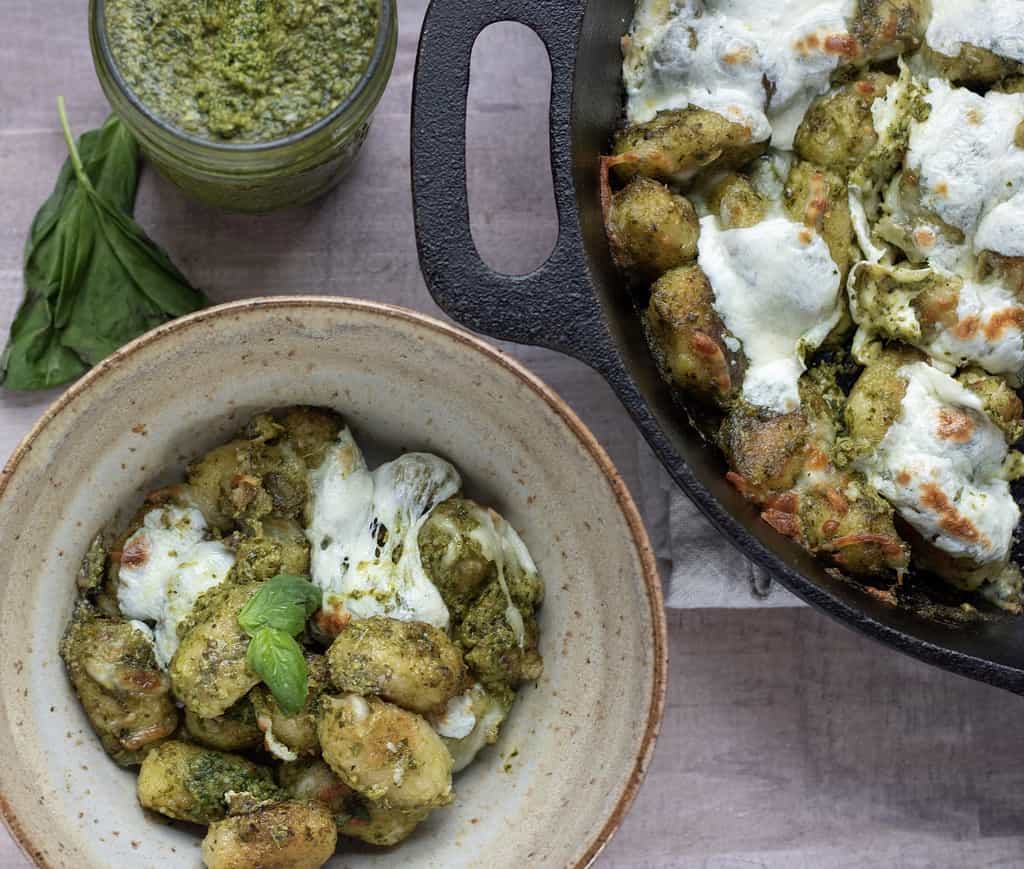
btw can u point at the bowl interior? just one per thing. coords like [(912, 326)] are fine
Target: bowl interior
[(992, 650), (574, 750)]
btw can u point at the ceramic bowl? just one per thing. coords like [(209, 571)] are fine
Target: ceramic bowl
[(572, 756)]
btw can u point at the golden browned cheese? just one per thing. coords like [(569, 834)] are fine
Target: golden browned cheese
[(387, 754), (287, 835), (885, 29), (838, 131), (1007, 270), (296, 732), (411, 664), (973, 65), (651, 230), (678, 143), (189, 783), (686, 336), (114, 672), (208, 672), (736, 203)]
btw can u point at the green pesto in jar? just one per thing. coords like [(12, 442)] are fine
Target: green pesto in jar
[(242, 70)]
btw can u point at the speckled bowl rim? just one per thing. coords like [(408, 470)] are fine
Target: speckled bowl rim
[(652, 581)]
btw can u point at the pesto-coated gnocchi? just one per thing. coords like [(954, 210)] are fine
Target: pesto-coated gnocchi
[(386, 753), (412, 664), (651, 229), (847, 323), (115, 674), (284, 835), (296, 650), (190, 783)]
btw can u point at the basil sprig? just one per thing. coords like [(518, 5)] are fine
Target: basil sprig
[(272, 618), (93, 279)]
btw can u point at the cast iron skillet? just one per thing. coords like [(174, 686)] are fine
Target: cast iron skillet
[(575, 303)]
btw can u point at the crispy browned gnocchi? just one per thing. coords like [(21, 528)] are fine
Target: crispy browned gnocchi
[(887, 28), (287, 735), (736, 203), (235, 730)]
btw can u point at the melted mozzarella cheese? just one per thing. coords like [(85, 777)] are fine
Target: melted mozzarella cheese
[(166, 565), (940, 465), (1002, 229), (862, 229), (365, 528), (995, 26), (458, 719), (988, 331), (776, 289), (487, 715), (719, 55), (965, 155)]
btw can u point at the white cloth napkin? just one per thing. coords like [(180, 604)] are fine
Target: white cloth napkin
[(708, 572)]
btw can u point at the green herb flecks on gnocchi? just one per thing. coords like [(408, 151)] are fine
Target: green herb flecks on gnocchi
[(295, 648), (820, 210)]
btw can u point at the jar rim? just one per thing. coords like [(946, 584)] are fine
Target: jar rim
[(386, 15)]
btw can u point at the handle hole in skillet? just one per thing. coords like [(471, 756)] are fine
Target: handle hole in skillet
[(508, 154)]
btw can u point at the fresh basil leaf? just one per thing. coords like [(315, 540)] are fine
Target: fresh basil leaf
[(93, 279), (283, 602), (277, 659), (110, 157)]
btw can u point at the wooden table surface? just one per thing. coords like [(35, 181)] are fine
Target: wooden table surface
[(788, 741)]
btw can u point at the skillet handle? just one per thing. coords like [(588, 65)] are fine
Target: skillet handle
[(554, 306)]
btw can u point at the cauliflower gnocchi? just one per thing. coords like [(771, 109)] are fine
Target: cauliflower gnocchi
[(296, 650), (819, 209)]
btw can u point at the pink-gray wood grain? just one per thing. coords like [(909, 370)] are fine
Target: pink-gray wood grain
[(788, 741)]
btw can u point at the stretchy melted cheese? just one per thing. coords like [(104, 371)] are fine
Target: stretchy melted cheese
[(995, 25), (362, 519), (941, 466), (776, 289), (719, 55)]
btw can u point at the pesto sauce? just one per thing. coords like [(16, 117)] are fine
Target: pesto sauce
[(242, 70)]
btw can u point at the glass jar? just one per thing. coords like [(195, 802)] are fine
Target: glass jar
[(260, 176)]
